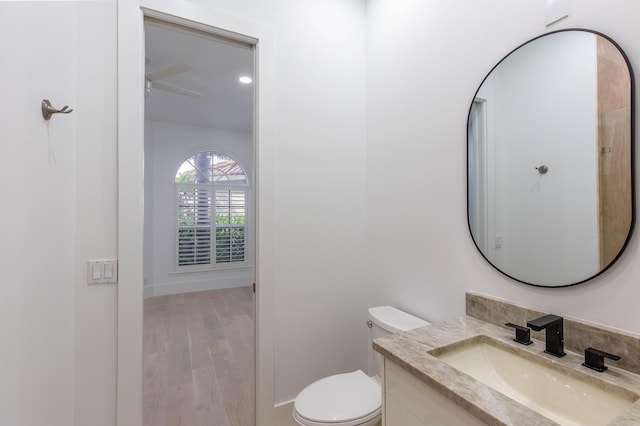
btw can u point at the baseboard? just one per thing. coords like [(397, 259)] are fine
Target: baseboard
[(242, 279), (284, 416)]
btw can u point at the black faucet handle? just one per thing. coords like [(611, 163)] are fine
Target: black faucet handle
[(594, 359), (523, 334)]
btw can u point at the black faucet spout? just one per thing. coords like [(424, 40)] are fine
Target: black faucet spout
[(554, 333)]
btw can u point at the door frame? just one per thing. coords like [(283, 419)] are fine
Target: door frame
[(131, 194)]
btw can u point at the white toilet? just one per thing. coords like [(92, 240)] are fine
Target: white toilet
[(353, 399)]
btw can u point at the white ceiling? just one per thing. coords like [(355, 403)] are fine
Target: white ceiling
[(216, 64)]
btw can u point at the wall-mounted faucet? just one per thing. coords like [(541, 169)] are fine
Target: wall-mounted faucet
[(554, 326)]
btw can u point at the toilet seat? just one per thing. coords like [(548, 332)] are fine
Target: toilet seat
[(348, 399)]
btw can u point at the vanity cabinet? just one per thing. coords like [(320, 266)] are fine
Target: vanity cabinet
[(408, 401)]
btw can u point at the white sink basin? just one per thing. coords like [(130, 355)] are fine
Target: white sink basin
[(563, 399)]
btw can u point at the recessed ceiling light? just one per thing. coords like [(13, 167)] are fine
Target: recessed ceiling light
[(245, 79)]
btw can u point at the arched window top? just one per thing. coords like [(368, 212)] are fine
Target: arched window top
[(211, 167)]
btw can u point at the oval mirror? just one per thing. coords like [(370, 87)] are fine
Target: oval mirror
[(549, 156)]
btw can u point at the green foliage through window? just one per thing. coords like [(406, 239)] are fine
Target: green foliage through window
[(229, 244)]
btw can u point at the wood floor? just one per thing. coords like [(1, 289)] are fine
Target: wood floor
[(199, 359)]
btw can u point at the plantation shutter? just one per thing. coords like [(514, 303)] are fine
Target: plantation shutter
[(211, 213), (194, 224), (230, 211)]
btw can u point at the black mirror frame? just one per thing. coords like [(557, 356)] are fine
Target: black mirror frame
[(631, 166)]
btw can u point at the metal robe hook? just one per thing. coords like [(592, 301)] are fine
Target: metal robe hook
[(542, 169), (48, 110)]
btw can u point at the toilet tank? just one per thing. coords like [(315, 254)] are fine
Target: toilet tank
[(385, 321)]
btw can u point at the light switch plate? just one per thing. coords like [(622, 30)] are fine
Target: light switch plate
[(102, 271)]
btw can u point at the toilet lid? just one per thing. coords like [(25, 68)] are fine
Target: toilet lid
[(340, 398)]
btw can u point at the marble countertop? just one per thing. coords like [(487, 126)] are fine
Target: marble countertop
[(411, 351)]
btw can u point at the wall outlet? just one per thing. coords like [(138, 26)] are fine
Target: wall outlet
[(498, 241), (102, 271)]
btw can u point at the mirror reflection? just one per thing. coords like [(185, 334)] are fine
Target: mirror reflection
[(550, 197)]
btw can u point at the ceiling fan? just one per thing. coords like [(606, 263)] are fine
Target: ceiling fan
[(151, 81)]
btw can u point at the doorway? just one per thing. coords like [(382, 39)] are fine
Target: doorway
[(199, 228), (477, 158)]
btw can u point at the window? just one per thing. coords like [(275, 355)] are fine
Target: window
[(211, 212)]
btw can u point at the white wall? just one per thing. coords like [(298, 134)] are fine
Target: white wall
[(58, 356), (37, 218), (96, 212), (167, 145), (426, 60), (561, 71), (320, 192)]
